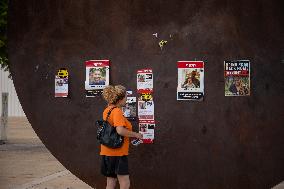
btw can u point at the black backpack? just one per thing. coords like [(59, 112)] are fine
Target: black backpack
[(107, 134)]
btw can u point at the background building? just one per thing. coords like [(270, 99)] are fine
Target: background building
[(14, 106)]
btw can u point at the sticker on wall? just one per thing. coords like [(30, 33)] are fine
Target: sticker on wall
[(145, 81), (145, 110), (146, 128), (61, 83), (129, 110), (97, 77), (93, 93), (237, 78), (146, 97), (129, 93), (190, 80), (162, 43)]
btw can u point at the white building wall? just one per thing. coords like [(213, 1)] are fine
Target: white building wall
[(7, 85)]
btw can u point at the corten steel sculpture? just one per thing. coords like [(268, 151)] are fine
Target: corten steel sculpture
[(222, 142)]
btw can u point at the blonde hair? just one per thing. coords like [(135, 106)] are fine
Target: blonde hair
[(112, 94)]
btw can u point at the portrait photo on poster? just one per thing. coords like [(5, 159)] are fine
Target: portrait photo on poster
[(97, 76), (190, 80)]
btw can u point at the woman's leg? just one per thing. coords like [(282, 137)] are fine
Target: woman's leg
[(124, 181), (111, 182)]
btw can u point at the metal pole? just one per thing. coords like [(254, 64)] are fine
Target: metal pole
[(4, 118)]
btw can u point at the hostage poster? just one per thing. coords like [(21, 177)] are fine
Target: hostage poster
[(190, 80), (129, 110), (61, 83), (237, 78), (145, 110), (145, 81), (97, 77), (146, 128)]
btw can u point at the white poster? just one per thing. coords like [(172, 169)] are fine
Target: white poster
[(61, 83), (144, 80), (129, 110), (97, 76), (146, 128), (146, 110), (190, 80)]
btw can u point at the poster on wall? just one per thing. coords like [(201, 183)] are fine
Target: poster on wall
[(146, 128), (145, 81), (129, 110), (190, 80), (61, 83), (97, 77), (145, 110), (237, 78)]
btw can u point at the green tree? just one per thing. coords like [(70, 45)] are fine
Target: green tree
[(3, 35)]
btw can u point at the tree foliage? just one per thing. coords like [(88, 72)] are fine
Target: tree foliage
[(3, 35)]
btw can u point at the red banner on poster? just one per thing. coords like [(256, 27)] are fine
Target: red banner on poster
[(190, 64), (97, 63)]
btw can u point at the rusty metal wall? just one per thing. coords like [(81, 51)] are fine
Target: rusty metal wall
[(222, 142)]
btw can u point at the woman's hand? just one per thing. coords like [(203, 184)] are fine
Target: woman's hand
[(138, 135)]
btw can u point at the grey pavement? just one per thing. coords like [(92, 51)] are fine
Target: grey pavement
[(25, 163)]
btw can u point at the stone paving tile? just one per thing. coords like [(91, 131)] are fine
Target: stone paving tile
[(279, 186), (26, 163)]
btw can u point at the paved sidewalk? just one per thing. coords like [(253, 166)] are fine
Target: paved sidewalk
[(25, 162)]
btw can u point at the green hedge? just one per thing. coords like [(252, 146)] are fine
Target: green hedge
[(3, 35)]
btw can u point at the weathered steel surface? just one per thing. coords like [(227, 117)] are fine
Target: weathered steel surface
[(222, 142)]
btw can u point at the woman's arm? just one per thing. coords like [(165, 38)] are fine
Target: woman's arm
[(124, 132)]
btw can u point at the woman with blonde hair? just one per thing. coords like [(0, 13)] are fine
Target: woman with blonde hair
[(114, 163)]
